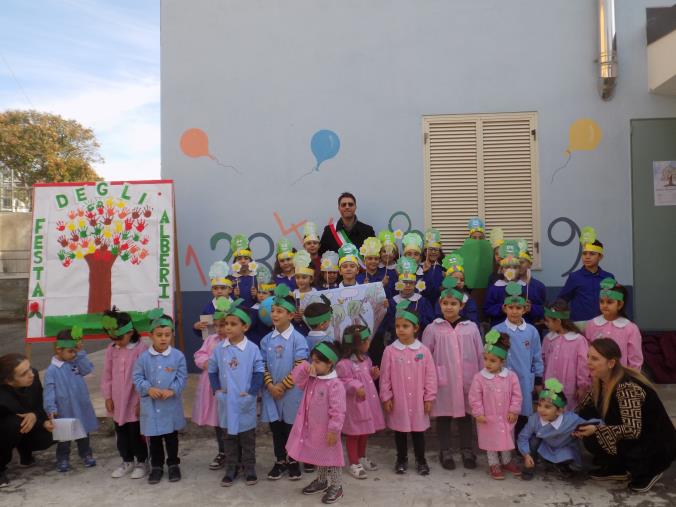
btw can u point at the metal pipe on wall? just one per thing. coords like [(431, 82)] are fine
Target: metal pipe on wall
[(607, 49)]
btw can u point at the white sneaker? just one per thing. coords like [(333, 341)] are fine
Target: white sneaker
[(140, 471), (358, 472), (122, 470), (368, 464)]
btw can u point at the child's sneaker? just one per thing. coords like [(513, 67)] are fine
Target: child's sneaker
[(229, 477), (218, 462), (251, 477), (89, 461), (174, 473), (4, 481), (527, 473), (333, 494), (512, 468), (63, 466), (155, 475), (446, 460), (495, 472), (294, 471), (277, 471), (140, 471), (125, 468), (368, 464), (358, 472), (400, 467), (423, 468), (468, 459)]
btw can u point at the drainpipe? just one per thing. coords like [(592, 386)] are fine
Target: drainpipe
[(607, 49)]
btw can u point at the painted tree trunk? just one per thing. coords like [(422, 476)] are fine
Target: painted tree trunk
[(100, 280)]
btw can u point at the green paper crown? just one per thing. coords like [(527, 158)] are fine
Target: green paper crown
[(76, 332), (239, 242), (587, 235), (449, 283), (608, 283), (452, 259), (263, 274), (432, 238), (406, 265), (282, 290), (302, 259), (492, 347), (552, 384), (553, 389), (284, 245), (492, 337), (412, 239), (386, 237), (509, 248), (109, 324), (513, 289), (222, 304)]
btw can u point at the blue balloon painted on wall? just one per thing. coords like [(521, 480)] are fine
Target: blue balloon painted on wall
[(324, 145)]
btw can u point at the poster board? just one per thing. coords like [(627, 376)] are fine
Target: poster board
[(98, 244)]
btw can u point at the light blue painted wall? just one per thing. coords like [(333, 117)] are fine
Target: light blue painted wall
[(261, 76)]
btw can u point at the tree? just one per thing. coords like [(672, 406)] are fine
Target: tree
[(44, 147), (100, 232)]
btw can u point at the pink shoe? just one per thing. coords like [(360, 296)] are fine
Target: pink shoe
[(512, 468), (496, 473)]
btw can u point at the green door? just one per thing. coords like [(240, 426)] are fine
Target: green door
[(654, 227)]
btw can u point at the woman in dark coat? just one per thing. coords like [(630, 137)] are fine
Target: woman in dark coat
[(23, 422), (637, 440)]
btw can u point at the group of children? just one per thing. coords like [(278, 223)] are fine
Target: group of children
[(314, 389)]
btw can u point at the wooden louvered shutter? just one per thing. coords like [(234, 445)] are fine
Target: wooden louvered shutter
[(482, 165)]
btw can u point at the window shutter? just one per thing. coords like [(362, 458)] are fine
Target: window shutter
[(482, 165)]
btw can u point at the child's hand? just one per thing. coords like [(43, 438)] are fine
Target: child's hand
[(585, 431), (200, 325), (236, 292), (110, 406), (386, 279), (386, 303), (243, 394), (361, 393), (481, 419), (312, 371), (331, 439), (528, 461), (427, 407), (375, 373), (155, 393), (511, 418), (79, 345), (388, 406), (167, 393), (48, 425), (276, 391)]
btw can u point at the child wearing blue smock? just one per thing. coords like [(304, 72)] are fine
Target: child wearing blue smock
[(221, 286), (525, 351), (282, 350), (236, 376), (66, 396), (160, 375), (317, 316)]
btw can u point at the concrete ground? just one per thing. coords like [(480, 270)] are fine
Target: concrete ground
[(43, 485)]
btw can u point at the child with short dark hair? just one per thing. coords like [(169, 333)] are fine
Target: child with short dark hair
[(317, 316)]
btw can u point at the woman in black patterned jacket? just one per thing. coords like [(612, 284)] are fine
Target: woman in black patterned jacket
[(637, 440)]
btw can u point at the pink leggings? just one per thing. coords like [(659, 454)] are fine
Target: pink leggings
[(356, 447)]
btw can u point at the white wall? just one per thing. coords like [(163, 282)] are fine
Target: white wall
[(261, 76)]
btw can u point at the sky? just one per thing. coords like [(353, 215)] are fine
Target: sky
[(94, 61)]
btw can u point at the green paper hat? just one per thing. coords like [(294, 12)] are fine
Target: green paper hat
[(70, 343), (509, 253), (225, 308), (218, 273), (475, 224), (587, 238), (155, 319), (556, 314), (348, 253), (407, 268), (453, 262), (284, 249), (607, 286), (402, 312), (412, 241), (222, 306), (449, 289), (432, 238), (329, 261), (371, 247), (264, 279), (492, 347), (326, 351), (310, 232), (514, 296), (552, 392), (110, 326), (496, 237), (364, 333), (301, 262), (388, 240), (240, 246), (281, 292)]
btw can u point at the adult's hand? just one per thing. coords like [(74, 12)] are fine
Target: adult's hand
[(28, 420)]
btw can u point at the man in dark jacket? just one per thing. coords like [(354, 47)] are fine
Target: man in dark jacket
[(348, 226)]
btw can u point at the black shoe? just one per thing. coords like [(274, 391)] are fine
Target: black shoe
[(228, 478), (315, 486), (155, 475), (26, 461), (446, 460), (527, 474), (277, 471), (423, 468), (218, 462), (308, 468), (468, 459), (251, 477), (609, 474), (564, 471), (644, 485), (174, 473), (400, 467), (4, 481), (294, 471), (333, 494)]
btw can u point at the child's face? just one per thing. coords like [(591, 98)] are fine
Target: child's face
[(514, 313), (311, 247), (363, 346), (610, 308), (161, 337), (221, 328), (349, 270), (280, 317), (547, 410), (554, 325), (408, 289), (65, 354), (450, 308), (477, 235), (218, 291), (262, 296), (524, 266), (322, 327), (244, 262), (405, 330), (460, 277), (235, 329), (332, 276), (433, 254), (496, 254), (124, 340), (321, 367), (286, 265), (591, 259), (413, 254), (493, 363), (303, 282), (386, 255), (371, 262)]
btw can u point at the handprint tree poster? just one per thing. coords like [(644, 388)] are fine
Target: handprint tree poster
[(95, 245)]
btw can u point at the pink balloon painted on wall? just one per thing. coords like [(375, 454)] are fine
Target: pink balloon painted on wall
[(194, 143), (584, 134)]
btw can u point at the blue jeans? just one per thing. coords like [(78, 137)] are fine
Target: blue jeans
[(63, 449)]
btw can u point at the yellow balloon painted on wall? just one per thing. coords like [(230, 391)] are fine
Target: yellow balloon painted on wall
[(584, 134)]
